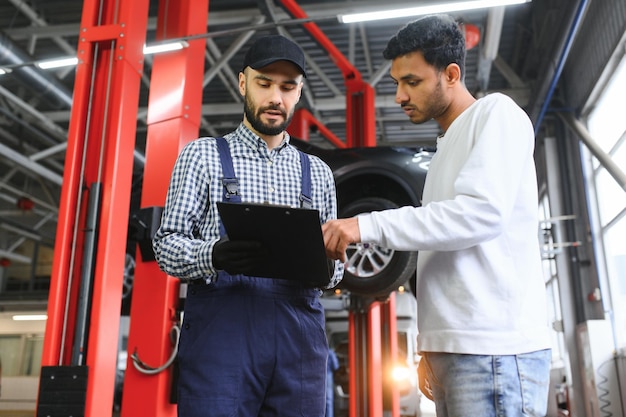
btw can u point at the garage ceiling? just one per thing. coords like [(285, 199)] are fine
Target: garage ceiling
[(35, 104)]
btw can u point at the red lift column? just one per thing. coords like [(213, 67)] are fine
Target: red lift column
[(389, 340), (88, 268), (173, 120), (360, 115), (302, 123), (365, 358)]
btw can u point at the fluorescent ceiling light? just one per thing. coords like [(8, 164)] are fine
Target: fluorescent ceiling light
[(30, 317), (153, 49), (66, 62), (431, 9), (57, 63), (164, 47)]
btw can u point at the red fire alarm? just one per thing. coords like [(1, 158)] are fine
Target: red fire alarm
[(472, 35), (25, 203), (4, 262)]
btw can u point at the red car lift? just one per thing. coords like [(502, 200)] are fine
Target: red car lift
[(80, 346), (372, 349)]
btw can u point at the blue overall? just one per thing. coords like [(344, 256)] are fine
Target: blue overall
[(252, 346)]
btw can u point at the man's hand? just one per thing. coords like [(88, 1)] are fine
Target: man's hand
[(238, 257), (338, 234)]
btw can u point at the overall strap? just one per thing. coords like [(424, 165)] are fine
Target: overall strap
[(229, 181), (306, 200)]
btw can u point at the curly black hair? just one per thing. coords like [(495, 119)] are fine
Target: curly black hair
[(439, 38)]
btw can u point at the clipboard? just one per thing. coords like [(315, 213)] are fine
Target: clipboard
[(293, 237)]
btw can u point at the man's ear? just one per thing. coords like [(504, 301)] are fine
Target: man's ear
[(242, 83), (453, 73)]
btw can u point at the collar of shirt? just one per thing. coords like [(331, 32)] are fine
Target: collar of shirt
[(254, 142)]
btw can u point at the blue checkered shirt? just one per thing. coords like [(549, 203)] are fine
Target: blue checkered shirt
[(183, 244)]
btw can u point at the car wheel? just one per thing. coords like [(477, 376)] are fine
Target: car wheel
[(127, 285), (372, 269)]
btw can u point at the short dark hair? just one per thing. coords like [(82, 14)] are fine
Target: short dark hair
[(438, 37)]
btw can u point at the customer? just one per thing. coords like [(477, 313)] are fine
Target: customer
[(480, 291), (249, 346)]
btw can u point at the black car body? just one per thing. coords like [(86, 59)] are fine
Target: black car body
[(370, 179)]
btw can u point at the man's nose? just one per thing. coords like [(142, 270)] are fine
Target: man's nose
[(401, 96), (275, 95)]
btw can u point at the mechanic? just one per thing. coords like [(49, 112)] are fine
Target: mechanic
[(249, 346), (482, 316)]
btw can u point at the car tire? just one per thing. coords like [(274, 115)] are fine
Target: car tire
[(370, 269), (127, 284)]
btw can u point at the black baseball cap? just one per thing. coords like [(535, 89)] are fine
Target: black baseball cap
[(268, 49)]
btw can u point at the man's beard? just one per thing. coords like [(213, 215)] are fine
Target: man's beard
[(435, 108), (253, 115)]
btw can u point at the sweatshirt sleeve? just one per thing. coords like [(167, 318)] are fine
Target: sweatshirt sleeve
[(484, 186)]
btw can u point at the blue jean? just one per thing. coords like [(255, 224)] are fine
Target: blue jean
[(488, 386)]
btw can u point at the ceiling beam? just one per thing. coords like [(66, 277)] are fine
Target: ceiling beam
[(15, 257), (30, 165)]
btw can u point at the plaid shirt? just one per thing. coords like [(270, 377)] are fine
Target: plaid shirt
[(183, 244)]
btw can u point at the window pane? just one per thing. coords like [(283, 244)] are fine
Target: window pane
[(10, 354), (615, 243), (607, 123), (611, 197), (33, 348)]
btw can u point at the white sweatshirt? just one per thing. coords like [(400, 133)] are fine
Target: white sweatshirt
[(480, 286)]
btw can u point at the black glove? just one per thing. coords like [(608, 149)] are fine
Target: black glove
[(238, 256)]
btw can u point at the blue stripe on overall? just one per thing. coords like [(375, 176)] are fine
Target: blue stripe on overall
[(252, 346)]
